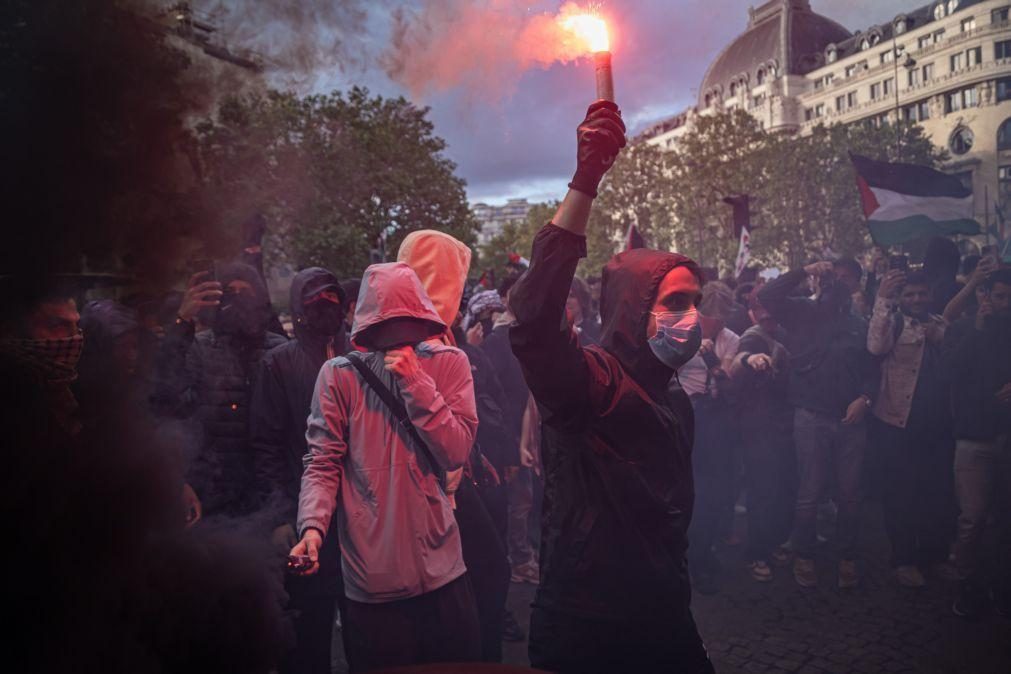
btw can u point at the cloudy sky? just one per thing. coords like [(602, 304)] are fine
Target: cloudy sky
[(510, 127)]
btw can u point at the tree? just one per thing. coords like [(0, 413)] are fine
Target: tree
[(514, 238), (333, 174)]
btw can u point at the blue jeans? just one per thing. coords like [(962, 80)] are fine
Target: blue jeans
[(826, 446)]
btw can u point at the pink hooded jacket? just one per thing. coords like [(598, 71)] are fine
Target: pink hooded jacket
[(398, 535)]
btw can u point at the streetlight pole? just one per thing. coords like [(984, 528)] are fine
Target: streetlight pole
[(909, 64)]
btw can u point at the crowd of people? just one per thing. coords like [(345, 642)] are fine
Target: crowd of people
[(416, 444)]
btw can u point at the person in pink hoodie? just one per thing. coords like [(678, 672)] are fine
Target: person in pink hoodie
[(409, 596)]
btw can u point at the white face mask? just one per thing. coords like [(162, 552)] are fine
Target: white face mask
[(678, 337)]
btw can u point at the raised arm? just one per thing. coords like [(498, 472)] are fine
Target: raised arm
[(777, 295), (956, 307), (553, 363), (881, 332)]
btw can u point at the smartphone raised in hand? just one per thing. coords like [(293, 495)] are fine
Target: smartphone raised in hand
[(899, 262), (205, 266)]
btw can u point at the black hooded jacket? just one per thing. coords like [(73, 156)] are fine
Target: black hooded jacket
[(283, 393), (830, 365), (209, 377), (617, 446)]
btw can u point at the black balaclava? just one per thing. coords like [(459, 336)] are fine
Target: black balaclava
[(242, 315)]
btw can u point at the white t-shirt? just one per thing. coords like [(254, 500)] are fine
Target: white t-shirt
[(693, 374)]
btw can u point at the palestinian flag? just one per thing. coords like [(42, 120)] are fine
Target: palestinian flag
[(904, 202)]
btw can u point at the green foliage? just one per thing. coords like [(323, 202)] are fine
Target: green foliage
[(804, 202), (332, 173), (514, 238)]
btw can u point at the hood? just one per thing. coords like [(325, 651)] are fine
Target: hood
[(442, 263), (393, 290), (239, 271), (627, 292), (306, 284), (481, 302)]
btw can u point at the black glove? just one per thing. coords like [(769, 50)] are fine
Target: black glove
[(599, 138)]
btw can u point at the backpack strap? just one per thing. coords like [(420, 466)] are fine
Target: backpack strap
[(396, 406)]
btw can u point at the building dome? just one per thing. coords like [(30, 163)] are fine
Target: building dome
[(758, 54)]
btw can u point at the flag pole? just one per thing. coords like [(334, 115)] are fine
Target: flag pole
[(986, 211)]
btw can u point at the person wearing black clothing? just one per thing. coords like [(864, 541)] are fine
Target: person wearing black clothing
[(280, 406), (978, 361), (940, 263), (833, 380), (761, 374), (481, 500), (208, 376), (519, 477), (614, 592)]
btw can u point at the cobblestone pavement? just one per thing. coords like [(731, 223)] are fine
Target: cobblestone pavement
[(879, 627)]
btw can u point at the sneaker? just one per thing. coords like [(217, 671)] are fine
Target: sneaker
[(970, 602), (526, 573), (848, 576), (760, 571), (910, 576), (947, 571), (511, 630), (782, 555), (804, 573)]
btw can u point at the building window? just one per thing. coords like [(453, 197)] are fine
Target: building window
[(888, 86), (1002, 50), (840, 103), (917, 112), (865, 44), (851, 99), (959, 100), (928, 72), (1004, 89), (850, 71), (923, 42), (961, 140), (819, 110), (831, 56), (876, 91), (952, 6), (1004, 135), (974, 56), (938, 36), (957, 61), (968, 24), (760, 76), (913, 77), (808, 114), (733, 88), (758, 100), (939, 11), (887, 56), (1000, 15), (900, 26)]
